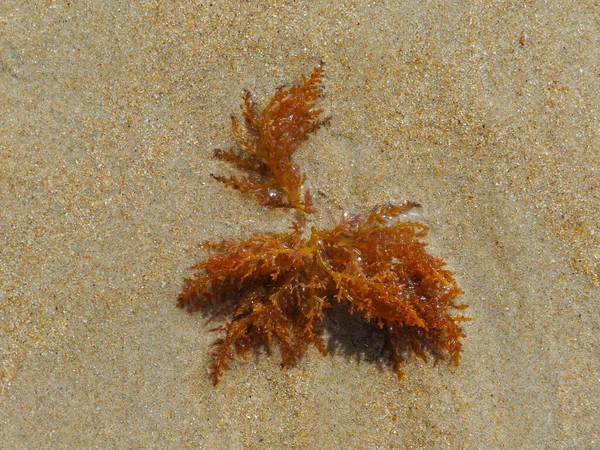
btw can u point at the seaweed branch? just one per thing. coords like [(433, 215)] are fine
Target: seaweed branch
[(268, 140), (278, 288)]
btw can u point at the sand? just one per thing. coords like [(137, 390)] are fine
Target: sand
[(485, 113)]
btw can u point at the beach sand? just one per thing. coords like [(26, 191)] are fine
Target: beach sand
[(485, 113)]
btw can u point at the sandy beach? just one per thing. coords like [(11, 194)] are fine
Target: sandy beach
[(486, 114)]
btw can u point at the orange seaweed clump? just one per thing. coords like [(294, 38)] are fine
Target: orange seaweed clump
[(277, 288), (268, 140)]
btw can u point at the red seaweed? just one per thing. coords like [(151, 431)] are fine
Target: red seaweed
[(278, 288)]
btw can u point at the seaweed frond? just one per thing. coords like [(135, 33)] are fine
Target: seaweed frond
[(277, 288), (268, 140)]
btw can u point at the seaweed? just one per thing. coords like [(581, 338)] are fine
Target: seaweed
[(277, 288), (268, 140)]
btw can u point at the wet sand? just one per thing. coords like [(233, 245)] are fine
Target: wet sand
[(486, 116)]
